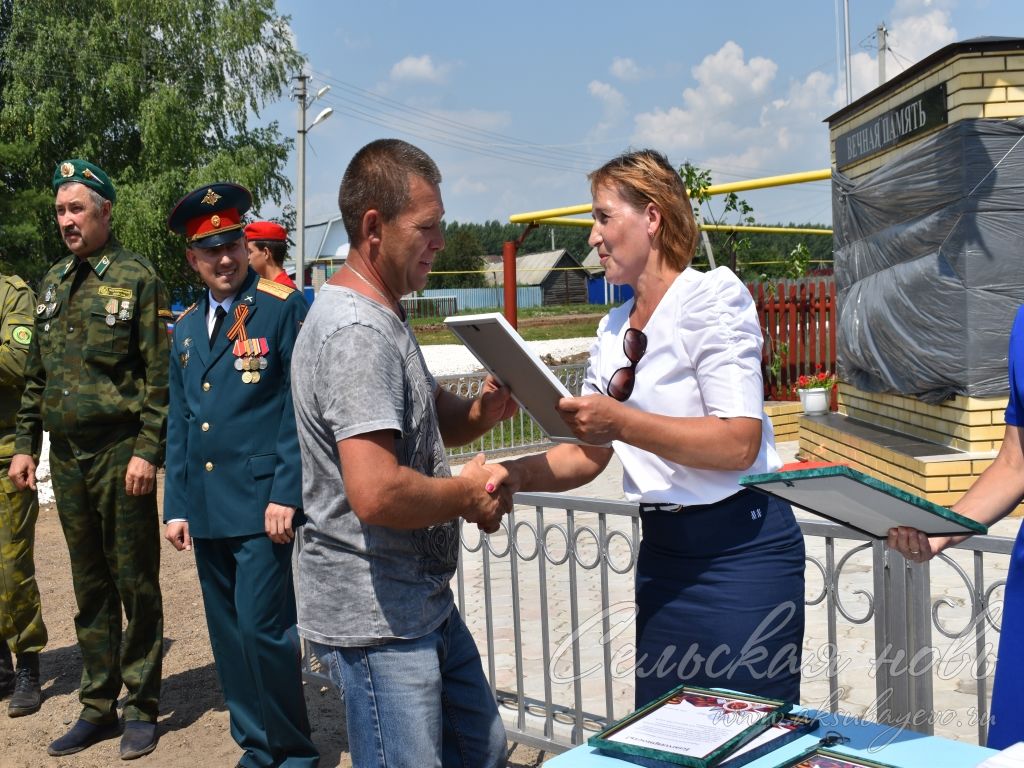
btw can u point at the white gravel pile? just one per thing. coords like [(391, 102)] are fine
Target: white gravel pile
[(44, 488), (453, 359)]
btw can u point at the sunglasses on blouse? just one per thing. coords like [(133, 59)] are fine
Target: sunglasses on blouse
[(620, 385)]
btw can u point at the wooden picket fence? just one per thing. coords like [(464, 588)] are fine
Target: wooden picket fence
[(798, 319)]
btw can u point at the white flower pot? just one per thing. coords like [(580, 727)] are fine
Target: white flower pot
[(814, 401)]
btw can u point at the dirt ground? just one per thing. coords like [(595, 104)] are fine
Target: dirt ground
[(193, 724)]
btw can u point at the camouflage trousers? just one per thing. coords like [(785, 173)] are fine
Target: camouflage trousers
[(21, 613), (114, 542)]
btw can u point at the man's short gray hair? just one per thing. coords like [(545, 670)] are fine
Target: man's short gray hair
[(97, 199)]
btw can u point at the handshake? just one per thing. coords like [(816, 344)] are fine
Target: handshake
[(490, 488)]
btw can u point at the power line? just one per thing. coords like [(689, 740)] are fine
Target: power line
[(495, 139)]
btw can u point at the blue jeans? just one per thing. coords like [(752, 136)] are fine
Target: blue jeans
[(422, 702)]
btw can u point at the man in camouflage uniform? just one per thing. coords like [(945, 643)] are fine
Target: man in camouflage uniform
[(96, 379), (21, 615)]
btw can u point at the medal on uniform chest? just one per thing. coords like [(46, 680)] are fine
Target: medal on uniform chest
[(111, 308), (49, 302), (250, 358), (123, 314), (248, 352)]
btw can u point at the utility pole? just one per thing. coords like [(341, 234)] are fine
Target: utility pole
[(846, 29), (299, 94), (882, 50)]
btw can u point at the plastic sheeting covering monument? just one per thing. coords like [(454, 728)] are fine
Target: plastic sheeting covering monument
[(929, 264)]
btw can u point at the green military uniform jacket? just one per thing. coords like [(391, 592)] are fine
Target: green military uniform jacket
[(98, 358), (16, 307)]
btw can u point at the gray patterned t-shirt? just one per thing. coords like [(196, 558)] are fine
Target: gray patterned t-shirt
[(356, 368)]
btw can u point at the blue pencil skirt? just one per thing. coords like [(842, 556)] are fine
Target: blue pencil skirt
[(720, 598)]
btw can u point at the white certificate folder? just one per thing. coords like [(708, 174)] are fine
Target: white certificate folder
[(506, 356)]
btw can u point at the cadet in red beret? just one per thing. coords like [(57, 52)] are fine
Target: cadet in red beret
[(268, 246)]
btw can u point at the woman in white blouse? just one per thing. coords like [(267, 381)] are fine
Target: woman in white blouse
[(674, 386)]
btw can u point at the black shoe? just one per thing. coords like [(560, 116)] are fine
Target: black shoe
[(82, 735), (139, 739), (6, 671), (27, 696)]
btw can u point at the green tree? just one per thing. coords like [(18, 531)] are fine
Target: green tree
[(24, 215), (160, 93), (462, 254), (732, 247), (753, 255)]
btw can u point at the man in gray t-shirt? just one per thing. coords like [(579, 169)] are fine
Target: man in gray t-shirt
[(381, 541)]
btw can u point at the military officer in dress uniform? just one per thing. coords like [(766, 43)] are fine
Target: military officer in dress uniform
[(96, 380), (233, 487), (21, 615)]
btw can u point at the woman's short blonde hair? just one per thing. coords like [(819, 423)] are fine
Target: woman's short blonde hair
[(645, 176)]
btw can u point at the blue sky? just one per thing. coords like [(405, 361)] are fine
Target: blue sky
[(518, 101)]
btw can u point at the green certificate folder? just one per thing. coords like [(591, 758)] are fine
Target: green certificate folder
[(689, 726), (861, 502)]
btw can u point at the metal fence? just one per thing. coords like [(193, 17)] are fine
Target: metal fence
[(549, 598), (430, 306), (488, 298)]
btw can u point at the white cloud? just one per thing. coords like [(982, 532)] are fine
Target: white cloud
[(739, 121), (613, 101), (724, 79), (419, 69), (625, 69), (613, 109), (729, 90)]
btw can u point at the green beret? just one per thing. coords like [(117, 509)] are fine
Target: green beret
[(84, 172)]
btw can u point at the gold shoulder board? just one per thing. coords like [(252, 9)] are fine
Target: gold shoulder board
[(275, 289), (187, 311)]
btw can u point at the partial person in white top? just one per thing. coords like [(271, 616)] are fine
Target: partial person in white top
[(674, 387)]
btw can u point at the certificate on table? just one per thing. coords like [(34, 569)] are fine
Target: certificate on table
[(690, 726), (861, 502), (789, 728), (827, 758), (506, 356)]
